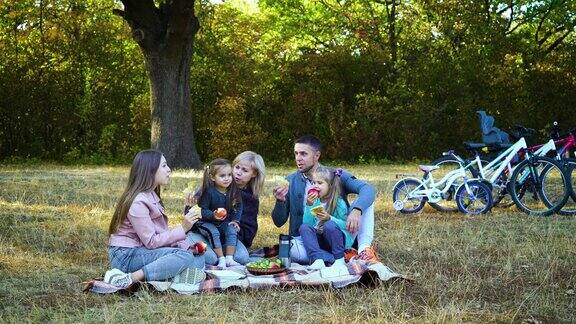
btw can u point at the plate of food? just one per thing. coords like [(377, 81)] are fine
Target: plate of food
[(265, 266)]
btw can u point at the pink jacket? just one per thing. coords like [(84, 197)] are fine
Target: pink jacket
[(146, 225)]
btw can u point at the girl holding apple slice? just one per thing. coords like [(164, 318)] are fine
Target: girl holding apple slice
[(323, 230), (221, 209)]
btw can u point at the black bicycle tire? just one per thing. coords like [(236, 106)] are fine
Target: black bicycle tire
[(513, 189), (569, 165)]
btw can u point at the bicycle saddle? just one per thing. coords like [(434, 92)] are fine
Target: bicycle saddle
[(428, 168), (471, 146)]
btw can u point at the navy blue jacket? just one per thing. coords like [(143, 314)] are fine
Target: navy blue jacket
[(214, 199), (249, 220)]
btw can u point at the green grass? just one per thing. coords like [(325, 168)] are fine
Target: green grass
[(504, 266)]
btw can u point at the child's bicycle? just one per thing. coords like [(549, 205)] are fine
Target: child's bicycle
[(472, 196)]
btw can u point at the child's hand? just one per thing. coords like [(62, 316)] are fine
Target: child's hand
[(235, 225), (323, 216), (311, 197)]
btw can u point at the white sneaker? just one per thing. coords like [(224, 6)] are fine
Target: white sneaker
[(339, 263), (117, 278), (230, 262), (190, 276), (317, 265)]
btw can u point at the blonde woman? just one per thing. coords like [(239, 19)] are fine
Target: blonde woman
[(249, 172)]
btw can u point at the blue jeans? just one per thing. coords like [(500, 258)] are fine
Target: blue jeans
[(327, 246), (157, 264), (240, 255), (364, 237), (215, 232)]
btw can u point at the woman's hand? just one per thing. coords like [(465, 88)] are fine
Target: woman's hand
[(235, 225), (323, 216), (190, 199), (190, 219)]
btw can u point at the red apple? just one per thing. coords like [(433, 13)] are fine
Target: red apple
[(220, 213), (200, 247), (311, 190)]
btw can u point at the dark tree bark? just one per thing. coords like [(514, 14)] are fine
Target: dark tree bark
[(166, 35)]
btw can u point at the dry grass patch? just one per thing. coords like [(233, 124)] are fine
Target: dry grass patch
[(503, 266)]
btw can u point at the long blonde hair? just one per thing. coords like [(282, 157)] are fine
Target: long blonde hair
[(141, 179), (334, 185), (232, 195), (257, 164)]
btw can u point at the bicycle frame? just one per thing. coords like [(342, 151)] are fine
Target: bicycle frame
[(431, 188), (494, 169), (564, 145)]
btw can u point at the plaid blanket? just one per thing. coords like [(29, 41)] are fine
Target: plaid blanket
[(356, 271)]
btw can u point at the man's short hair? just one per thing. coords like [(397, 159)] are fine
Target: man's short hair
[(311, 140)]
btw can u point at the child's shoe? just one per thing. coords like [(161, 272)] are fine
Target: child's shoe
[(317, 265), (339, 263), (368, 255)]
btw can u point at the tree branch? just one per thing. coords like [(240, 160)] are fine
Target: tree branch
[(557, 42)]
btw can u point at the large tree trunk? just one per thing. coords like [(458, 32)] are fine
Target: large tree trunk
[(166, 35)]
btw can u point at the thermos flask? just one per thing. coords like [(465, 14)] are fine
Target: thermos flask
[(284, 245)]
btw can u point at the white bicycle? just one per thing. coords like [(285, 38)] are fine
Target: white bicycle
[(472, 196)]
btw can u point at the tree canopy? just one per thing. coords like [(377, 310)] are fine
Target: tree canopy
[(374, 79)]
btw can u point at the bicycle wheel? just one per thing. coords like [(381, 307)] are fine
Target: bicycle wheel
[(569, 166), (474, 198), (402, 189), (447, 164), (536, 192)]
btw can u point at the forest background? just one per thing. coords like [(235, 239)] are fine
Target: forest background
[(376, 80)]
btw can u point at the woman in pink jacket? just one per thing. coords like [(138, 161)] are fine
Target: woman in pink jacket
[(141, 246)]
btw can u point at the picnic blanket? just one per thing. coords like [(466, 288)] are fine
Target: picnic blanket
[(355, 271)]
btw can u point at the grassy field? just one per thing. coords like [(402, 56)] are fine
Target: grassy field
[(502, 267)]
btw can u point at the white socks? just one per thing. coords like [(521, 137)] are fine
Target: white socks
[(221, 262), (227, 261), (317, 265), (230, 261)]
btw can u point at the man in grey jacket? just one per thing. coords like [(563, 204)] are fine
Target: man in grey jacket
[(290, 201)]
